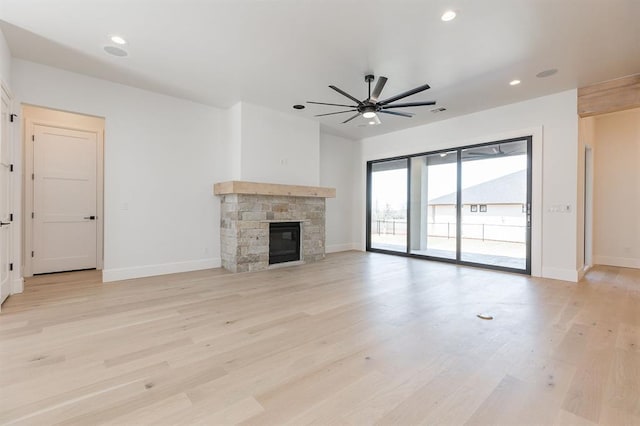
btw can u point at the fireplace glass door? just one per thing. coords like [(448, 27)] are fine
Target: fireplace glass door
[(284, 242)]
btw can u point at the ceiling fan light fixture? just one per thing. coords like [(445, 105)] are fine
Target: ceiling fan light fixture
[(514, 82), (368, 114)]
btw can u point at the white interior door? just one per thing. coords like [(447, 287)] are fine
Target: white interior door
[(64, 200), (5, 199)]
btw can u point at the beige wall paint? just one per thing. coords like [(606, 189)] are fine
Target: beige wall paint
[(617, 189)]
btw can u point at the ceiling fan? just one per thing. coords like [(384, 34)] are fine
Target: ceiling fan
[(369, 107), (492, 152)]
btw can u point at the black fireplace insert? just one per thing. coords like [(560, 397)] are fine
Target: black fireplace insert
[(284, 242)]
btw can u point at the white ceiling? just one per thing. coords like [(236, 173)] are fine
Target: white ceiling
[(277, 53)]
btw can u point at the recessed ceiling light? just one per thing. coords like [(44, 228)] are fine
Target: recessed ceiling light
[(547, 73), (449, 15), (514, 82), (115, 51), (372, 123), (118, 40), (443, 154), (298, 106)]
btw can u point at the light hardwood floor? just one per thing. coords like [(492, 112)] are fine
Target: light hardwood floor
[(359, 338)]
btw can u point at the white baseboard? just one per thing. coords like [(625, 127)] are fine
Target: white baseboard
[(335, 248), (560, 274), (17, 286), (117, 274), (624, 262), (582, 272)]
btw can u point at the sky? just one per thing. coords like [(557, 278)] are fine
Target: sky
[(390, 187)]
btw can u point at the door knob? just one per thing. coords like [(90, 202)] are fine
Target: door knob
[(90, 217)]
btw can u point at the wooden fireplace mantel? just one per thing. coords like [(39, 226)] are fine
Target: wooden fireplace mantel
[(258, 188)]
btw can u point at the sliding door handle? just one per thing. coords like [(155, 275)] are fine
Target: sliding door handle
[(90, 217)]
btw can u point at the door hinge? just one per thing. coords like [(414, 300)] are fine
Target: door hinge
[(12, 116), (32, 253), (10, 167), (33, 138), (33, 215), (33, 176), (11, 266)]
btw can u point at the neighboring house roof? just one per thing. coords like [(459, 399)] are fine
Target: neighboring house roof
[(507, 189)]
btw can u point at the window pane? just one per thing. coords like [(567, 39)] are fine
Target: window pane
[(494, 191), (389, 205), (433, 205)]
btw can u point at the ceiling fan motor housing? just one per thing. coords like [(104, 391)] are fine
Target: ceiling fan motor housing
[(368, 110)]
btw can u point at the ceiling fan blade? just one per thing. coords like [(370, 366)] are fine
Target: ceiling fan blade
[(402, 114), (349, 119), (343, 93), (405, 94), (338, 112), (324, 103), (378, 89), (409, 104)]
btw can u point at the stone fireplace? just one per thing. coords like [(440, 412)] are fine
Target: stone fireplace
[(248, 209)]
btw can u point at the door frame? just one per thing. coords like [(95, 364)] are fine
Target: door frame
[(34, 116), (13, 282), (532, 204), (588, 208)]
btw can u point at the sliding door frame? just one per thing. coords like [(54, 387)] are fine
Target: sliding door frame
[(528, 210)]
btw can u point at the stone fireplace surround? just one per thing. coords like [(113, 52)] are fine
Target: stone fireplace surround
[(247, 208)]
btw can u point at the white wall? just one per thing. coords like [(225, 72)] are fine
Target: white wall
[(230, 143), (279, 147), (5, 61), (553, 122), (617, 189), (160, 213), (338, 169)]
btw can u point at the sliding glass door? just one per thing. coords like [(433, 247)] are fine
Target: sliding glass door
[(468, 205), (388, 212), (494, 204), (433, 205)]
